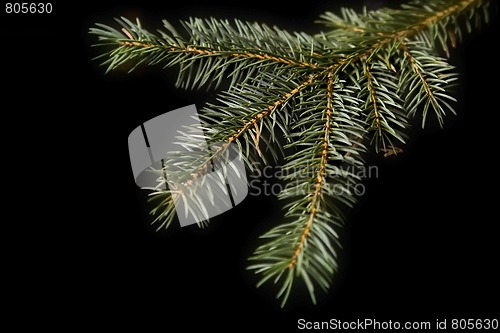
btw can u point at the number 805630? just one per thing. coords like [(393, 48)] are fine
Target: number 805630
[(28, 8)]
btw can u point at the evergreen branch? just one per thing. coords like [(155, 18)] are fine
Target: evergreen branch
[(315, 199), (372, 98), (327, 95), (192, 169), (250, 108), (371, 32), (385, 114), (305, 245), (266, 112), (214, 45), (425, 80)]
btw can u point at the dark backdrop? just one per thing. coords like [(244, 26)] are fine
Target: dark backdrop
[(420, 245)]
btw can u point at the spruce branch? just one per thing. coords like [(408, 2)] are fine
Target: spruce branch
[(426, 79), (328, 97)]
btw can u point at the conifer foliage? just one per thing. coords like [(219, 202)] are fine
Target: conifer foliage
[(316, 102)]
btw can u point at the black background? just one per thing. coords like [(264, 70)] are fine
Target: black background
[(78, 249)]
